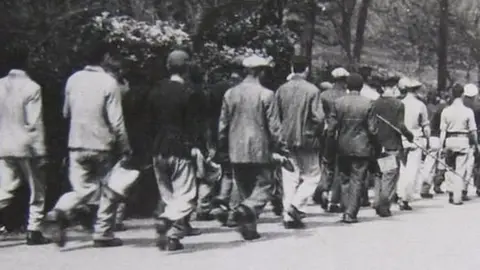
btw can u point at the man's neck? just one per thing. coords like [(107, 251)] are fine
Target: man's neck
[(177, 78), (252, 79), (457, 101)]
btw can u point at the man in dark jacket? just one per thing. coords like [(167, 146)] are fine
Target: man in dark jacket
[(352, 117), (392, 110), (302, 118), (177, 140)]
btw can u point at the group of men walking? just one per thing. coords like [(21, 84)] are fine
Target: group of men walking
[(300, 140)]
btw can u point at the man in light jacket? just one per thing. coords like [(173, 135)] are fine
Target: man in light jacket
[(97, 137), (22, 143)]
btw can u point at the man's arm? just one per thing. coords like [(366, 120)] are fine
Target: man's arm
[(66, 103), (373, 130), (223, 130), (33, 109), (472, 127), (424, 122), (443, 128), (115, 119), (274, 126), (401, 123), (318, 114)]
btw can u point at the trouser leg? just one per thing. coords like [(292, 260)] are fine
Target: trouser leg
[(121, 212), (9, 180), (205, 196), (291, 181), (32, 169), (408, 175), (470, 164), (226, 184), (427, 172), (355, 169), (336, 189), (310, 177), (386, 188), (176, 183)]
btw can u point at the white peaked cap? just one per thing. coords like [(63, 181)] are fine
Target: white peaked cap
[(340, 72), (470, 90), (256, 61)]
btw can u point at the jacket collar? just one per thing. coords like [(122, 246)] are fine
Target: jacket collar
[(177, 78), (18, 73), (94, 68)]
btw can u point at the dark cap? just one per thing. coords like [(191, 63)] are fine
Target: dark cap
[(355, 82)]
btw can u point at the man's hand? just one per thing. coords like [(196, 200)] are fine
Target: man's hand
[(284, 161), (212, 152), (409, 136)]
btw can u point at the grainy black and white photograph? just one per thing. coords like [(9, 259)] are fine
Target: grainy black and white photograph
[(239, 134)]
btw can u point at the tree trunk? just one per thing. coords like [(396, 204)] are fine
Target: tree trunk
[(443, 46), (361, 23), (348, 7), (312, 18)]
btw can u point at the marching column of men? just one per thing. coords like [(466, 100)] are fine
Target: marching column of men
[(321, 143)]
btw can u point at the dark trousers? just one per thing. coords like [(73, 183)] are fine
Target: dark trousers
[(386, 186), (352, 171), (255, 184)]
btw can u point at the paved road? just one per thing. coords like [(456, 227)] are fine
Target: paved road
[(435, 235)]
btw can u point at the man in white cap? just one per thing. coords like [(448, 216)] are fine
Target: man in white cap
[(302, 118), (249, 135), (458, 134), (329, 180), (471, 101), (417, 122)]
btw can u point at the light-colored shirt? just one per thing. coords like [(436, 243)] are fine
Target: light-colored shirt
[(21, 122), (93, 104), (458, 118), (416, 115), (369, 93)]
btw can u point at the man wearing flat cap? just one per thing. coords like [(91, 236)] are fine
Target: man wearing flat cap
[(329, 180), (249, 136), (417, 121), (471, 100), (354, 124)]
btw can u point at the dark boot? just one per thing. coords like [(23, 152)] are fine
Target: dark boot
[(56, 223), (348, 219), (220, 211), (465, 197), (426, 195), (405, 206), (245, 218), (114, 242), (173, 244), (162, 225), (277, 207), (36, 238)]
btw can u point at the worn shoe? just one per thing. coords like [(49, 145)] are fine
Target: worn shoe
[(465, 197), (478, 192), (204, 216), (56, 223), (293, 224), (174, 244), (349, 219), (426, 196), (120, 227), (162, 225), (405, 206), (114, 242), (220, 211), (450, 197), (295, 214), (438, 190), (231, 223), (383, 213), (191, 231), (334, 208), (36, 238)]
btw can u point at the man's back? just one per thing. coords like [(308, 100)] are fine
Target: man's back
[(301, 113), (353, 118), (93, 103), (21, 124), (172, 112), (392, 110), (416, 114), (251, 116), (328, 98)]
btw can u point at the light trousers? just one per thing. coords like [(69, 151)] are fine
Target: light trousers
[(409, 170), (176, 182), (470, 166), (458, 162), (88, 173), (429, 168), (299, 186), (15, 170)]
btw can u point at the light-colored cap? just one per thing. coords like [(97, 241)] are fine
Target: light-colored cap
[(256, 61), (407, 83), (325, 86), (470, 90), (340, 73)]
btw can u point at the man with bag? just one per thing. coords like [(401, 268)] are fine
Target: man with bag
[(97, 137)]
